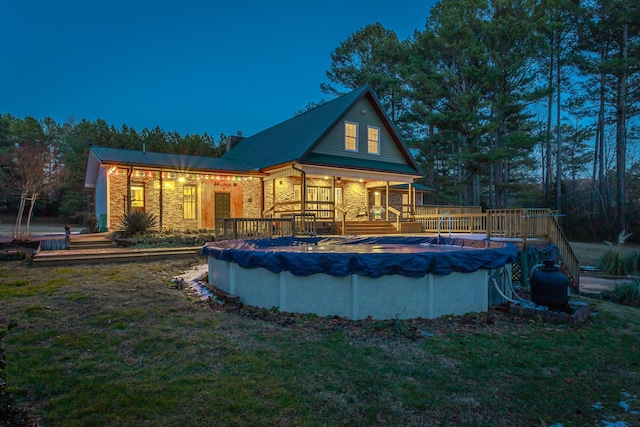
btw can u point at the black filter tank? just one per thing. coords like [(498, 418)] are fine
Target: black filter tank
[(550, 287)]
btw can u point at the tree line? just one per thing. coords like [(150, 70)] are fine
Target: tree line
[(515, 103), (43, 163)]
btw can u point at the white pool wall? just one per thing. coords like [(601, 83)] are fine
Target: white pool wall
[(354, 296)]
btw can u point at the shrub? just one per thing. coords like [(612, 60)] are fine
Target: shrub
[(624, 293), (86, 219), (134, 223), (175, 238), (619, 263), (13, 255)]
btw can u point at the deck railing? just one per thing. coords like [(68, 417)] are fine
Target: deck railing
[(460, 223), (570, 265), (398, 215), (302, 224), (286, 225), (518, 224), (440, 209)]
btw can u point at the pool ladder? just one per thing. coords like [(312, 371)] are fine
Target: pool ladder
[(440, 224)]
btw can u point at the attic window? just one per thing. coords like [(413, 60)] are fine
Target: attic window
[(373, 144), (350, 136)]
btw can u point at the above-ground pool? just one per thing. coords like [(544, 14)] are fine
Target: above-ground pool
[(380, 277)]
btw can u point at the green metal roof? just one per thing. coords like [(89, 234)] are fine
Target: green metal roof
[(165, 160), (358, 163), (293, 140), (418, 187)]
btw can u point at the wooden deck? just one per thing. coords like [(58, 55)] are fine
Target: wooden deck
[(97, 249), (523, 227)]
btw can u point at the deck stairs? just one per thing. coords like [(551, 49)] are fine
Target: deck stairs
[(367, 227), (77, 245), (98, 249)]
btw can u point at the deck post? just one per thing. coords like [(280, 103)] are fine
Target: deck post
[(523, 226), (160, 201), (387, 201)]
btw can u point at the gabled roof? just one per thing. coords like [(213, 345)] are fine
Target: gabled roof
[(99, 156), (122, 157), (294, 139), (357, 163)]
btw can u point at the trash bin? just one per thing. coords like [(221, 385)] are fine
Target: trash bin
[(102, 223)]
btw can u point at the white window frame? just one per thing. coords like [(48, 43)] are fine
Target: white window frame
[(349, 138), (138, 203), (370, 140), (324, 195), (189, 202)]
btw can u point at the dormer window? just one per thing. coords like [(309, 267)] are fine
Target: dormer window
[(373, 140), (350, 136)]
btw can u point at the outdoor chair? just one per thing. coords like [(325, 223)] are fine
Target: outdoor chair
[(362, 213)]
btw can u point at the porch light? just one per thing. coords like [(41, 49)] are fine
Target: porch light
[(326, 177), (181, 179), (361, 180), (377, 193)]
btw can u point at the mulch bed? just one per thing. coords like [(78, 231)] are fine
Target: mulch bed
[(498, 320)]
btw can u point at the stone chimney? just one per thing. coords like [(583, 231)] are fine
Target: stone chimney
[(232, 140)]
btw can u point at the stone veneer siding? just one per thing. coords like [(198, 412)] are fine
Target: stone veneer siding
[(252, 198), (250, 191), (173, 198), (352, 192), (353, 198), (395, 198)]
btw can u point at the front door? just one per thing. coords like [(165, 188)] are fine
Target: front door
[(223, 205), (207, 201)]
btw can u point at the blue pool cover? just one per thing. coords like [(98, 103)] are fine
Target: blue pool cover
[(414, 257)]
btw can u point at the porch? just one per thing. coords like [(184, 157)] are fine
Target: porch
[(335, 200)]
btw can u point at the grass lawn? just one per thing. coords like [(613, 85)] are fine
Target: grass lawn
[(120, 345), (591, 253)]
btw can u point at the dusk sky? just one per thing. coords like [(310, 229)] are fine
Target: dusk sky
[(186, 66)]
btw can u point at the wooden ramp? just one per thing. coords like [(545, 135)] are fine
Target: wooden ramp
[(97, 249), (99, 256)]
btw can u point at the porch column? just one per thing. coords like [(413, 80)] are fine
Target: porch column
[(261, 197), (332, 196), (412, 200), (160, 200), (303, 190), (273, 197), (367, 207), (129, 173), (387, 201)]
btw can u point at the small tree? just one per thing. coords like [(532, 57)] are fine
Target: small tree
[(27, 172)]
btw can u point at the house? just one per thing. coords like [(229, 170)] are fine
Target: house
[(344, 158)]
